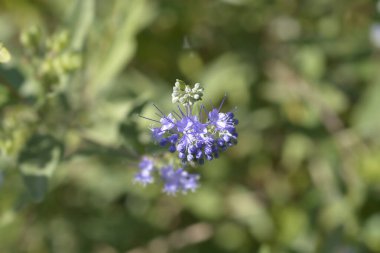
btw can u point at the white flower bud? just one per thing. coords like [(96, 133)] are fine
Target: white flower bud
[(185, 94)]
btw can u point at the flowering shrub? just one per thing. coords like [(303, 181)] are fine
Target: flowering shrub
[(304, 75), (193, 134)]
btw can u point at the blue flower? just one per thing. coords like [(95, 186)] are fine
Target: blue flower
[(178, 180), (157, 133), (144, 176), (194, 135), (193, 139), (167, 122)]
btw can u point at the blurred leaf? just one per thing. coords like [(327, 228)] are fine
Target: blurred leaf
[(296, 149), (37, 186), (5, 56), (11, 76), (264, 249), (129, 128), (190, 64), (4, 95), (40, 151), (333, 98), (293, 224), (81, 21), (246, 208), (205, 203), (228, 74), (38, 160), (338, 214), (311, 62), (1, 177), (371, 232), (129, 132), (105, 119), (364, 118), (136, 15), (231, 236), (301, 112), (101, 180), (368, 165)]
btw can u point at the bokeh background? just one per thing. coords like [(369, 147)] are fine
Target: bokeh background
[(303, 75)]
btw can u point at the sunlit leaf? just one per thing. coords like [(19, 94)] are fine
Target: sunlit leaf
[(5, 56)]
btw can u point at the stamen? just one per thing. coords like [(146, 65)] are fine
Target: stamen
[(210, 103), (221, 104), (149, 119), (159, 110), (204, 109), (200, 113), (169, 120), (165, 117), (179, 108), (176, 114)]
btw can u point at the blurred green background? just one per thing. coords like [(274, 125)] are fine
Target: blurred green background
[(303, 74)]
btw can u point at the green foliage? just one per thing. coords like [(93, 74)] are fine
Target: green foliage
[(304, 177)]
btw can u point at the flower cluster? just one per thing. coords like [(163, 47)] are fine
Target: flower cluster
[(174, 180), (193, 138), (178, 180), (185, 94), (144, 176), (194, 134)]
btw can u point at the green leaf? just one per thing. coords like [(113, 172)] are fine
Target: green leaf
[(365, 118), (82, 17), (40, 151), (4, 95), (129, 128), (311, 62), (11, 76), (228, 74), (5, 56), (135, 14), (371, 232), (1, 178), (37, 162), (37, 186)]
